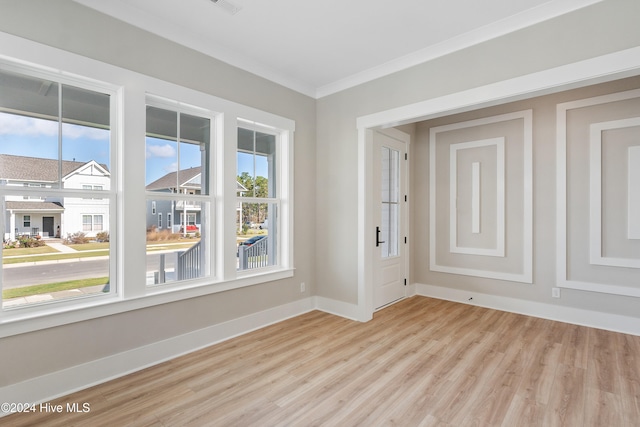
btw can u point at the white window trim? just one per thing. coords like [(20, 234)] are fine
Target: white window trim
[(281, 177), (128, 123)]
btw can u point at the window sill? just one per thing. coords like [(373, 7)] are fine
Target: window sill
[(15, 322)]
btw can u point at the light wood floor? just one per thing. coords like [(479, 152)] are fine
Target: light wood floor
[(418, 362)]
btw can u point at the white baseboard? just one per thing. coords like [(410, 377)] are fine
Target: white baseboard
[(576, 316), (57, 384), (339, 308)]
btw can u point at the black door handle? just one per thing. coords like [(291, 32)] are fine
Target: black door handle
[(378, 241)]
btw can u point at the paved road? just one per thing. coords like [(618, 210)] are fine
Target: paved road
[(42, 273)]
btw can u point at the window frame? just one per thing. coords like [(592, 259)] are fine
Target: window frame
[(128, 92), (180, 107), (275, 200), (41, 191)]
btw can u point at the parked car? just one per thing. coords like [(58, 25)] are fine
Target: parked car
[(264, 225), (191, 228)]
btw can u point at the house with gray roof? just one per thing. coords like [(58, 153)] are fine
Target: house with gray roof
[(53, 216), (174, 215)]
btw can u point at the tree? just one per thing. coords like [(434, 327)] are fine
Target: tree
[(256, 187)]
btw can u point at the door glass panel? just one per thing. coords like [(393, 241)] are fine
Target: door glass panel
[(390, 198)]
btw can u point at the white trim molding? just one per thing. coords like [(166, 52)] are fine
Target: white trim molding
[(600, 69), (575, 316), (525, 274), (476, 197), (595, 197), (64, 382), (633, 193)]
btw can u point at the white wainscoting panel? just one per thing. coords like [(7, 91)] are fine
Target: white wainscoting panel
[(622, 279), (476, 196), (633, 189), (595, 196), (519, 268)]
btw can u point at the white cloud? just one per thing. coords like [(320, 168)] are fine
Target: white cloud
[(28, 126), (171, 168), (76, 132), (165, 150)]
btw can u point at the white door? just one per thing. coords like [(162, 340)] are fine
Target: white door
[(389, 216)]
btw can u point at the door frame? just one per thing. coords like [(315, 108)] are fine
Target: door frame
[(405, 139), (366, 225), (600, 69)]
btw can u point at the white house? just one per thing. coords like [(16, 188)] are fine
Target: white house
[(53, 216)]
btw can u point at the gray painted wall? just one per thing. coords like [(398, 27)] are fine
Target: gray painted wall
[(325, 164), (602, 28), (544, 209), (69, 26)]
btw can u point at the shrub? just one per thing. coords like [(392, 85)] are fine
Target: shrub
[(77, 238), (29, 242), (102, 236), (153, 235)]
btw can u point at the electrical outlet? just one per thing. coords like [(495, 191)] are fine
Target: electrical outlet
[(303, 287), (555, 292)]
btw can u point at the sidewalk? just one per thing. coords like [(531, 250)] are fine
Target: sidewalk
[(71, 293), (60, 247)]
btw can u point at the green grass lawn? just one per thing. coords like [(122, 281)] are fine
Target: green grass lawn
[(90, 246), (54, 257), (82, 251), (52, 287), (28, 251)]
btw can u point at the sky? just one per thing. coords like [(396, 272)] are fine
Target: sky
[(33, 137)]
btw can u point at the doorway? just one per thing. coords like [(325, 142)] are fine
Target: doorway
[(47, 226), (390, 218)]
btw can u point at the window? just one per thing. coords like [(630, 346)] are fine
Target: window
[(92, 223), (56, 138), (97, 222), (177, 170), (258, 201), (87, 223), (70, 134)]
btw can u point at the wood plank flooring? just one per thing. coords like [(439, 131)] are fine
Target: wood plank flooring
[(420, 362)]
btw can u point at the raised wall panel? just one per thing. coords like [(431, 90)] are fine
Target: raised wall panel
[(598, 141), (595, 198), (477, 226), (475, 197), (475, 200), (633, 189)]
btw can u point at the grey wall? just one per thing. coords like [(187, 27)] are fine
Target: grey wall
[(602, 28), (544, 208), (69, 26), (325, 163)]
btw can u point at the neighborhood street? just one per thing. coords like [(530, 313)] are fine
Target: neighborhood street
[(51, 272)]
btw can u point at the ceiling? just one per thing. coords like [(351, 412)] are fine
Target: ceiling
[(321, 47)]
